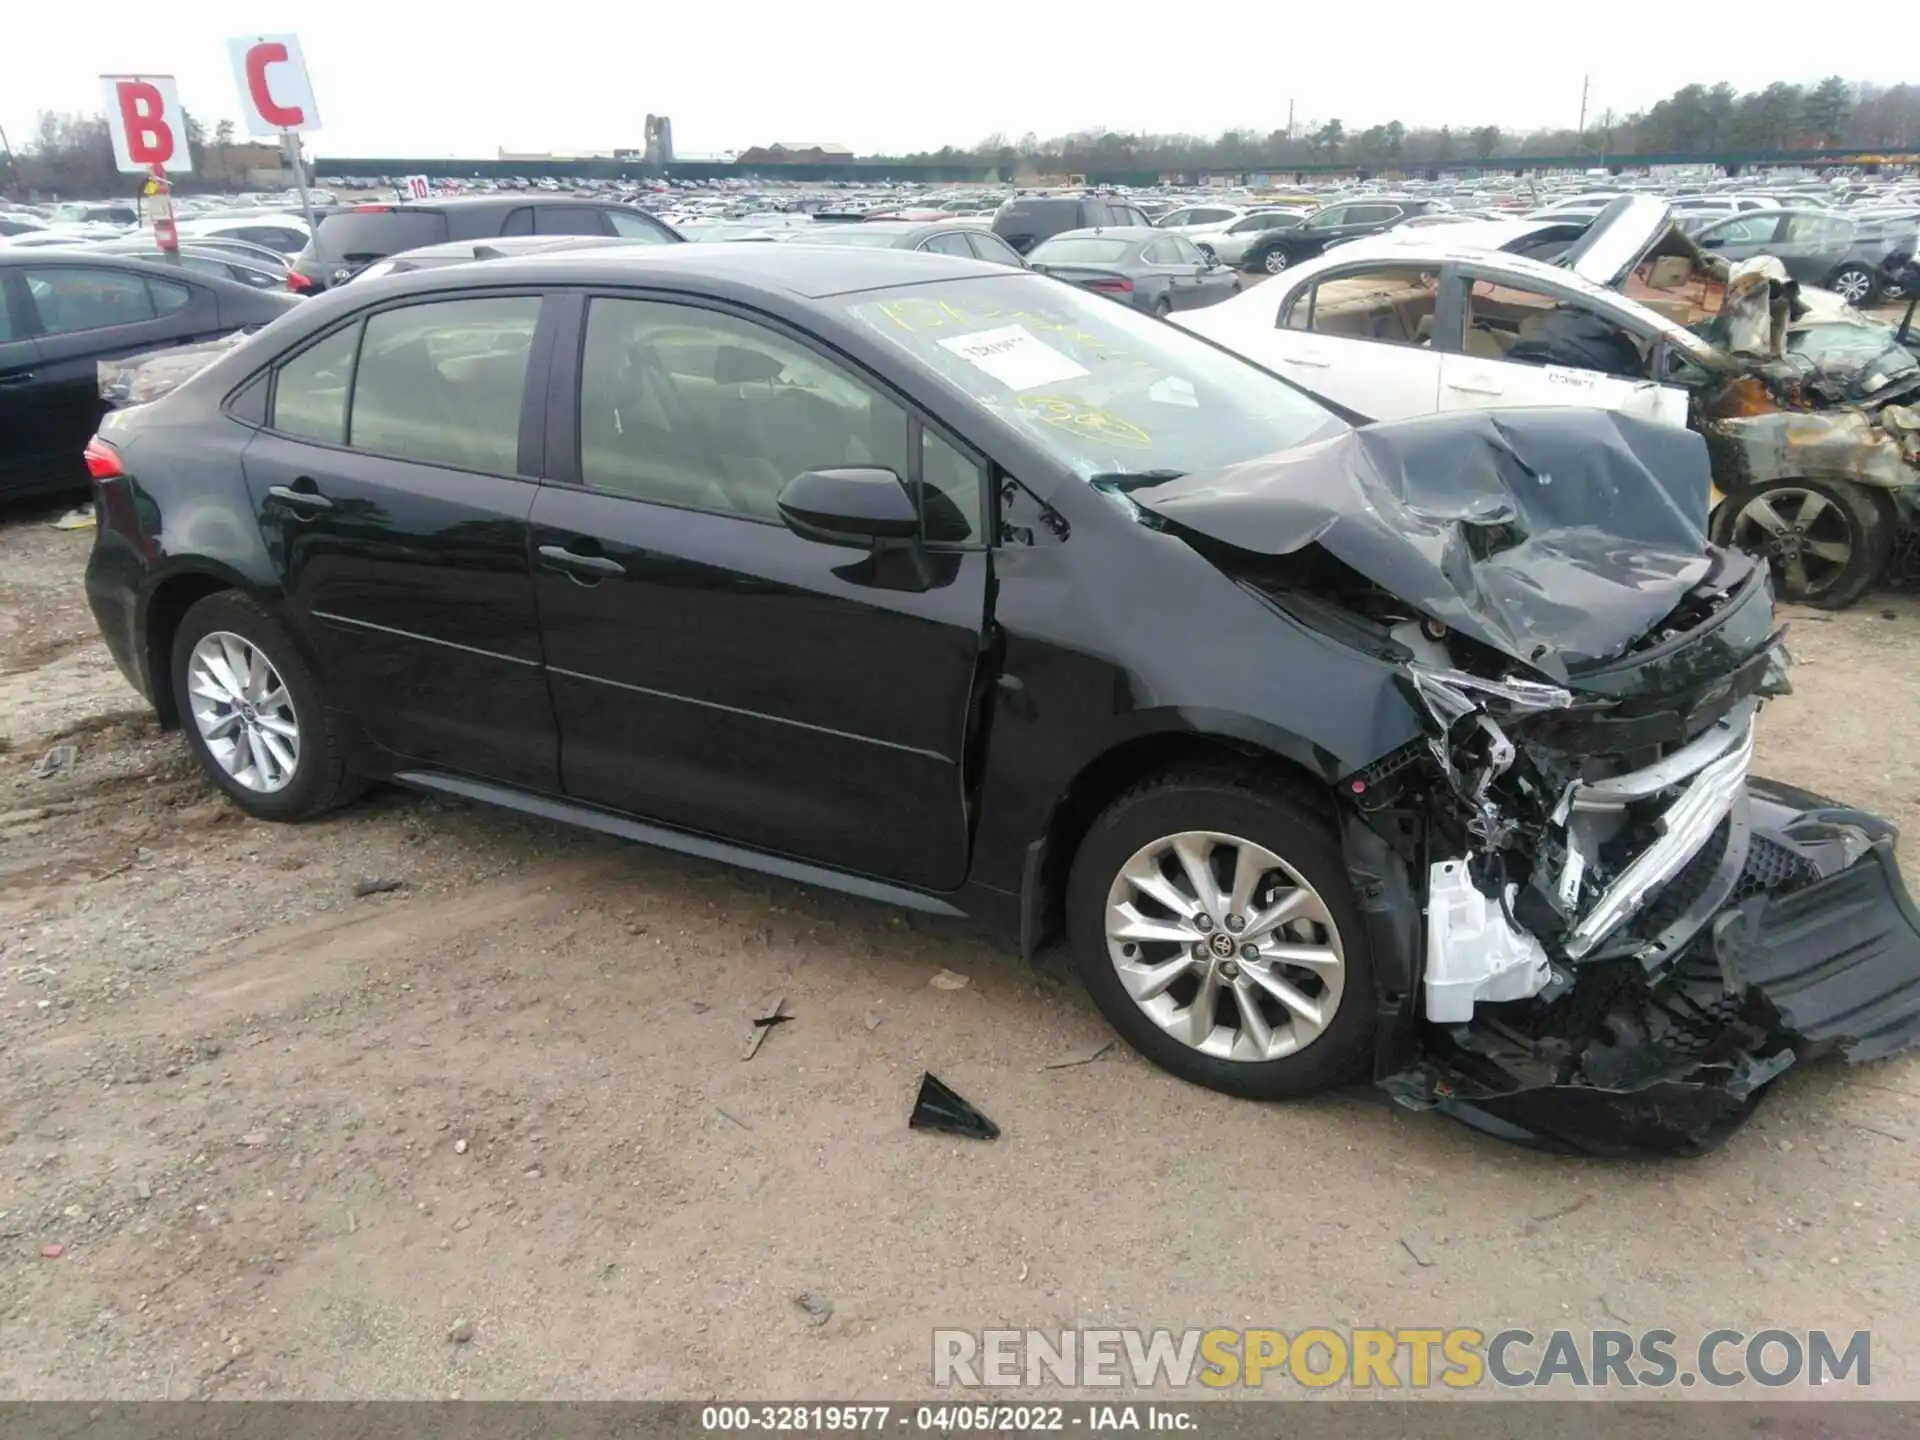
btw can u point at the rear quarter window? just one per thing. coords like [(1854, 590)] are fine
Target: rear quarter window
[(376, 234)]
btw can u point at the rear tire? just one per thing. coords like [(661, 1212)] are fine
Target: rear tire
[(1290, 1002), (253, 713), (1163, 307), (1856, 284), (1825, 540)]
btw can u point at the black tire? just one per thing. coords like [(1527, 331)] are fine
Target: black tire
[(1244, 804), (1861, 280), (320, 781), (1270, 261), (1854, 515), (1163, 307)]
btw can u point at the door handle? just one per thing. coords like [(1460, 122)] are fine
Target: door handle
[(16, 377), (308, 499), (1478, 385), (558, 557)]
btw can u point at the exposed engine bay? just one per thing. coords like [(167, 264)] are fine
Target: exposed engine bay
[(1614, 937)]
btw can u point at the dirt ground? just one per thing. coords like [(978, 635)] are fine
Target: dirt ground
[(288, 1136)]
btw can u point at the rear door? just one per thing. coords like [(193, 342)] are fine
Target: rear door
[(711, 669), (1164, 273), (1358, 334), (392, 484), (88, 313)]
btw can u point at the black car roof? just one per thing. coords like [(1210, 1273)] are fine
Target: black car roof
[(811, 271), (480, 202)]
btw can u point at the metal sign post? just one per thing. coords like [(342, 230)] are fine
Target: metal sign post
[(290, 146)]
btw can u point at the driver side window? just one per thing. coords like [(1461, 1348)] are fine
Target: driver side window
[(690, 407), (1530, 327)]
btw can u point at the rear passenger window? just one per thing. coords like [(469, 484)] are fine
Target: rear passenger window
[(442, 383), (167, 296), (310, 390), (948, 244), (1393, 303), (631, 227), (520, 222)]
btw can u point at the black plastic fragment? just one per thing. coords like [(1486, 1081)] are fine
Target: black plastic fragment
[(1839, 959), (938, 1108)]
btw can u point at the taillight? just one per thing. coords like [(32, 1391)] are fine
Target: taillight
[(299, 284), (1117, 285), (103, 461)]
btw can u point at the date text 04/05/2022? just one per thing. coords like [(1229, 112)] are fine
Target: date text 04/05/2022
[(945, 1419)]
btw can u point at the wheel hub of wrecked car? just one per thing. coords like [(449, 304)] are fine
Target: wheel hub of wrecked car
[(1225, 946)]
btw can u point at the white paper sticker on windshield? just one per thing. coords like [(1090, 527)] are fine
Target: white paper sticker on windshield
[(1175, 390), (1014, 357)]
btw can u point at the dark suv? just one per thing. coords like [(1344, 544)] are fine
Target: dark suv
[(1024, 221), (349, 240), (1342, 220)]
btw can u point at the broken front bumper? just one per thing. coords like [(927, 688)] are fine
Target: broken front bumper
[(1801, 940)]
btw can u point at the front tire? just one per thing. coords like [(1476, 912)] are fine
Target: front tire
[(1272, 261), (253, 712), (1825, 540), (1212, 922)]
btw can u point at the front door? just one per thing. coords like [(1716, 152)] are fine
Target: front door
[(1513, 343), (390, 491), (27, 440), (711, 669)]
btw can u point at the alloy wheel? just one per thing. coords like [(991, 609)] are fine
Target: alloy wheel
[(1853, 286), (1274, 261), (243, 712), (1225, 946), (1804, 535)]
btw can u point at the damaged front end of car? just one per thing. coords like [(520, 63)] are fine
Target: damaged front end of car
[(1620, 936)]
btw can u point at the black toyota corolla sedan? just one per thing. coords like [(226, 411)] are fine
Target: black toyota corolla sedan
[(1415, 749)]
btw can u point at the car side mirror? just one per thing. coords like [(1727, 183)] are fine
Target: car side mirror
[(856, 506)]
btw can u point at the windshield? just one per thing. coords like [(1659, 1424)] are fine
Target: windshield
[(1079, 252), (1101, 387)]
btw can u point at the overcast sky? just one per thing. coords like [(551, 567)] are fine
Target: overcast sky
[(878, 75)]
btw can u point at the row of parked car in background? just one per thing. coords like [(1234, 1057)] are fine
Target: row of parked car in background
[(81, 287)]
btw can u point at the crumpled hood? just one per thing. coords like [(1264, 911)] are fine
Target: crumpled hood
[(1558, 536)]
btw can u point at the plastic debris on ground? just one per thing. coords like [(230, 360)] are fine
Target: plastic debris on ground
[(768, 1013), (79, 518), (939, 1108), (56, 762)]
